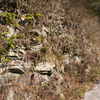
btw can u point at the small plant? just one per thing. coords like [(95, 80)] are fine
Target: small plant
[(44, 49), (76, 73), (80, 93), (31, 16), (48, 84), (0, 57), (61, 57), (9, 17), (6, 60), (38, 39), (52, 29)]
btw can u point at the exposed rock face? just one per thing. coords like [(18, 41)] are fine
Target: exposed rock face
[(36, 48), (93, 94), (45, 67), (47, 56), (10, 95)]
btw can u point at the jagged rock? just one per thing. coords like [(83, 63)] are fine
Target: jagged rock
[(7, 76), (22, 65), (10, 31), (13, 55), (58, 77), (62, 69), (22, 51), (77, 59), (21, 46), (16, 69), (36, 48), (62, 96), (13, 67), (10, 95), (45, 77), (36, 78), (45, 68), (30, 79), (58, 90), (14, 63), (27, 65), (45, 31), (67, 60), (25, 79), (41, 32)]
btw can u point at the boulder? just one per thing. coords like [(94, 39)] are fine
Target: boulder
[(45, 68), (10, 95)]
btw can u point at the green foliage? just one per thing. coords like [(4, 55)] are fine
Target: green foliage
[(31, 16), (76, 73), (16, 24), (53, 29), (44, 49), (6, 60), (48, 84), (38, 14), (68, 43), (9, 42), (10, 17), (0, 57), (61, 57), (38, 39), (79, 92), (18, 36)]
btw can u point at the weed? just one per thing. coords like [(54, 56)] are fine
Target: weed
[(80, 93), (9, 17), (76, 73), (48, 84), (38, 39), (6, 60), (44, 49), (61, 57)]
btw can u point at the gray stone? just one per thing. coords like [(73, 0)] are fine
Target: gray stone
[(62, 96), (16, 69), (45, 77), (22, 51), (19, 64), (67, 60), (10, 95), (36, 48), (58, 90), (8, 76), (45, 67), (77, 59), (27, 65), (93, 94), (25, 79), (58, 77), (10, 31), (36, 78), (13, 55)]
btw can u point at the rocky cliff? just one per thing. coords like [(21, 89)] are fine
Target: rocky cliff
[(48, 49)]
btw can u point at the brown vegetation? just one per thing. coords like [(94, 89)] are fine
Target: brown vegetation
[(83, 30)]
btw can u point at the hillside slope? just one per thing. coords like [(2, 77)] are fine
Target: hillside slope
[(49, 49)]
